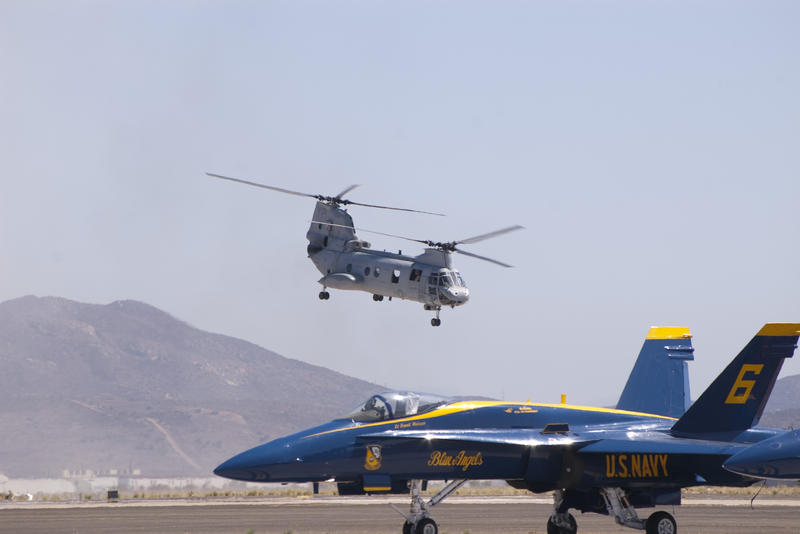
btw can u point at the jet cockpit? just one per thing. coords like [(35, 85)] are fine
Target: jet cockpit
[(394, 405)]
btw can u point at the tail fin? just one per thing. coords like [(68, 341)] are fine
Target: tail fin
[(659, 381), (735, 400)]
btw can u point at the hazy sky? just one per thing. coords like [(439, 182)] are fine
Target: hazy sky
[(651, 149)]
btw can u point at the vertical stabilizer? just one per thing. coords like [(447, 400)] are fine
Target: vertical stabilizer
[(735, 400), (659, 381)]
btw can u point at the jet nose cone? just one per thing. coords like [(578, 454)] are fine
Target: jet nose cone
[(241, 467), (256, 464)]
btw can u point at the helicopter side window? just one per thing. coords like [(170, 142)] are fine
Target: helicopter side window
[(395, 276), (377, 272), (416, 275), (366, 271), (433, 281), (349, 268)]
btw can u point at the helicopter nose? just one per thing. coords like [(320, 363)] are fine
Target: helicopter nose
[(459, 295)]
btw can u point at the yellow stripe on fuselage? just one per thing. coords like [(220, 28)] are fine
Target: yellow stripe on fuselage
[(669, 332), (780, 329), (463, 406)]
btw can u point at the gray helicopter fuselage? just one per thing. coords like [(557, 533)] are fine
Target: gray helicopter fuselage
[(348, 263)]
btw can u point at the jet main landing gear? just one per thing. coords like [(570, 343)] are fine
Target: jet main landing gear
[(618, 507), (418, 519)]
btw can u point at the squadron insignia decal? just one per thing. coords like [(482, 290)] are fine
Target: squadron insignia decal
[(374, 458)]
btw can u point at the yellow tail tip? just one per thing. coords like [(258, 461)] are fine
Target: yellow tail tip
[(780, 329), (669, 332)]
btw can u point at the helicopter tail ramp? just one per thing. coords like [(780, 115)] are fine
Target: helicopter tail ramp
[(659, 381), (735, 401)]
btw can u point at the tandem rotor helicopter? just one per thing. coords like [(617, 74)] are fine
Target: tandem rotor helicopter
[(347, 262)]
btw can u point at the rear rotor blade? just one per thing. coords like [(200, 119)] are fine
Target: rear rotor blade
[(489, 235), (343, 193), (372, 232), (263, 186), (391, 208), (484, 258)]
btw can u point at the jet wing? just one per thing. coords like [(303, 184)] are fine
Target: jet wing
[(514, 436), (663, 445), (612, 441)]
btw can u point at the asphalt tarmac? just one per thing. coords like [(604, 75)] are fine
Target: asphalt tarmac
[(374, 516)]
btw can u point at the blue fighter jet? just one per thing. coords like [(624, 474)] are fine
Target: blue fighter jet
[(608, 461)]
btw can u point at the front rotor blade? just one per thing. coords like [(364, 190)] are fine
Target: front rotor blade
[(372, 232), (343, 193), (262, 185), (490, 235), (465, 253), (391, 208)]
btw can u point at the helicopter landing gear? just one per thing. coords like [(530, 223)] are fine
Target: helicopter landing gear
[(377, 298), (324, 295), (435, 321), (418, 519)]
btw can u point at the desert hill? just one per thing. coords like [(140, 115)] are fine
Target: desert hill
[(122, 385)]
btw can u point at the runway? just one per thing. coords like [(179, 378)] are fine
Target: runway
[(373, 515)]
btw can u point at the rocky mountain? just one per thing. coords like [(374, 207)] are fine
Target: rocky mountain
[(783, 407), (122, 385)]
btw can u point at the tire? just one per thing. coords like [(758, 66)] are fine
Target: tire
[(552, 528), (408, 528), (427, 526), (661, 523)]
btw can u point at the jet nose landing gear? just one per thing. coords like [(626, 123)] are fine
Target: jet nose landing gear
[(418, 519), (424, 526)]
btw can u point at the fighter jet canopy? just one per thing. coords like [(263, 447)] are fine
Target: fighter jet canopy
[(395, 404)]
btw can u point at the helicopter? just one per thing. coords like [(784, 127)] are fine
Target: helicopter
[(349, 263)]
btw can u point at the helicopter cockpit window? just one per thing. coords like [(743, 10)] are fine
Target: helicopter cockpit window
[(394, 405), (445, 280), (459, 279)]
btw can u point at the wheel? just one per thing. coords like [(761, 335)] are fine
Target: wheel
[(408, 528), (427, 526), (377, 298), (321, 295), (552, 528), (436, 322), (661, 523)]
